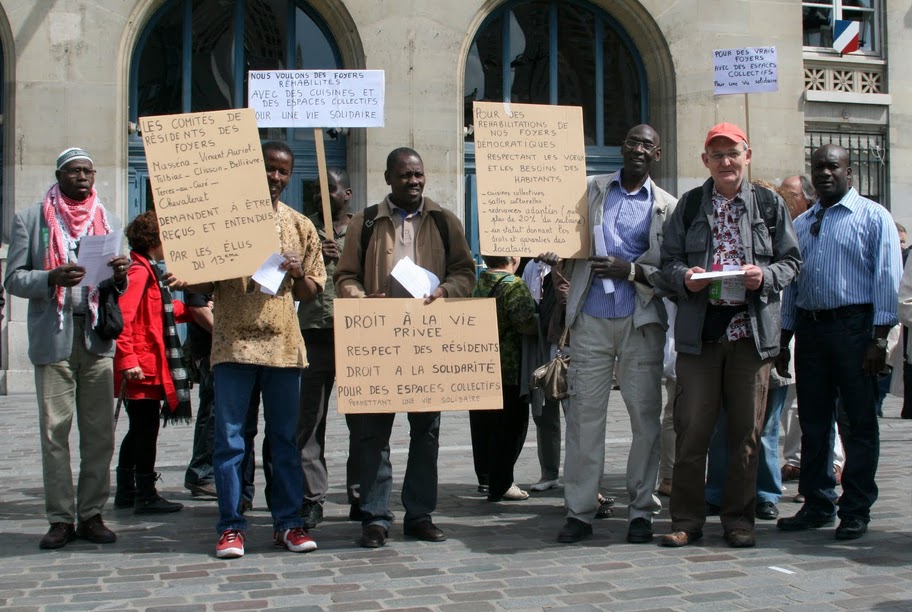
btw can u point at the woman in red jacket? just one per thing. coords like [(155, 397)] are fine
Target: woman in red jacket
[(149, 368)]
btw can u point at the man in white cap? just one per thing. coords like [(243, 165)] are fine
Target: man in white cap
[(74, 372), (726, 329)]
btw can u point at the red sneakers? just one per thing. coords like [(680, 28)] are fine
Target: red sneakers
[(295, 539), (230, 544)]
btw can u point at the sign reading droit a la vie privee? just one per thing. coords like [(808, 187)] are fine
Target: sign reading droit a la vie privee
[(316, 98), (748, 70)]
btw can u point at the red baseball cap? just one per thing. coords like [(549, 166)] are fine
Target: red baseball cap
[(726, 130)]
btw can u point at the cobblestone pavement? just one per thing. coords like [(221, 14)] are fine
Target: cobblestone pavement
[(498, 556)]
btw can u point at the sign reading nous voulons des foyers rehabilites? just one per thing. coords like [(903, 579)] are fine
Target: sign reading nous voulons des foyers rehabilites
[(210, 192), (317, 98), (530, 162), (402, 355)]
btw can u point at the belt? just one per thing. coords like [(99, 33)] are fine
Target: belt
[(835, 313)]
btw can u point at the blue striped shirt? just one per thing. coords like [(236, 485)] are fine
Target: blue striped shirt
[(625, 224), (855, 259)]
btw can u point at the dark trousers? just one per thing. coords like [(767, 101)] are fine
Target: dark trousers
[(317, 382), (137, 450), (199, 471), (828, 364), (498, 436), (730, 374)]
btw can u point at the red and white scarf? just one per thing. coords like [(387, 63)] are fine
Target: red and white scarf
[(68, 221)]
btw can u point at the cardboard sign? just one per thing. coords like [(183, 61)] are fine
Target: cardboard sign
[(210, 192), (530, 162), (316, 98), (749, 70), (400, 355)]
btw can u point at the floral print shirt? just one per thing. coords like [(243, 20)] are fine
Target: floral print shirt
[(256, 328), (516, 316), (728, 250)]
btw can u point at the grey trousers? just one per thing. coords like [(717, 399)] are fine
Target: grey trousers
[(595, 345), (82, 385)]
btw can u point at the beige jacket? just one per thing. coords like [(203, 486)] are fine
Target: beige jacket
[(456, 269)]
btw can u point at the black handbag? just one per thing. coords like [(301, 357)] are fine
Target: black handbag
[(110, 318)]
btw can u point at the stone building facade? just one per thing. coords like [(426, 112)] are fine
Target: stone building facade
[(80, 73)]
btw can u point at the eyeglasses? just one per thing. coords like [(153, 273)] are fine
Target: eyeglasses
[(633, 145), (731, 155), (74, 172), (815, 226)]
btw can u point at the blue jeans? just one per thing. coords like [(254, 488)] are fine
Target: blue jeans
[(419, 489), (828, 358), (234, 384), (199, 472), (769, 476)]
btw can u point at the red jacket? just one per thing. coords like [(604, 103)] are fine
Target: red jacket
[(142, 341)]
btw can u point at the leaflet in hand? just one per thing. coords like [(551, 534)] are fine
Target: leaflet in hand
[(94, 254), (602, 250), (415, 279), (269, 276)]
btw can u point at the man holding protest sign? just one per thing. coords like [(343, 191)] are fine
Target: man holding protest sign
[(404, 224), (615, 315), (318, 379), (256, 340)]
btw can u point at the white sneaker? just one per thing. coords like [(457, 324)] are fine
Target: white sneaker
[(544, 485)]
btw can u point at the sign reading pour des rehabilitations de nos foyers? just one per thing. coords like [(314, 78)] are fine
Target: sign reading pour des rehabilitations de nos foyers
[(530, 161), (402, 355), (211, 194)]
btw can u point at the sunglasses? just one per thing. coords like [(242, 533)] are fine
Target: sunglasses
[(815, 227)]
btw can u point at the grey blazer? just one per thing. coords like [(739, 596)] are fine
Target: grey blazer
[(27, 278)]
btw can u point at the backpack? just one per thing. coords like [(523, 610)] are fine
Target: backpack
[(766, 201), (370, 216)]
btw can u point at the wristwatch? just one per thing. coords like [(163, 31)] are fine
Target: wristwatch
[(881, 343), (633, 272)]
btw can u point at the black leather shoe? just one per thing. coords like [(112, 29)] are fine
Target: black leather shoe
[(425, 531), (740, 538), (851, 529), (373, 536), (574, 530), (766, 511), (639, 531), (93, 529), (58, 536), (312, 513), (805, 519)]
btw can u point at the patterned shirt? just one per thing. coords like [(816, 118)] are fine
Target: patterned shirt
[(253, 327), (515, 318), (728, 252)]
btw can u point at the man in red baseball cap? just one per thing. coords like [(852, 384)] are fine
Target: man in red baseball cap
[(726, 331)]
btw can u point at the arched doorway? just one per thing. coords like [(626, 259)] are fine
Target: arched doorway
[(193, 56), (567, 52)]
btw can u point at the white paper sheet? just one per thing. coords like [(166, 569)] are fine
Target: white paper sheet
[(94, 254), (715, 275), (602, 250), (415, 279), (269, 276)]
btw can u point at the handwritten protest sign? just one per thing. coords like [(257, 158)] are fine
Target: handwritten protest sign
[(748, 70), (400, 355), (316, 98), (530, 162), (210, 192)]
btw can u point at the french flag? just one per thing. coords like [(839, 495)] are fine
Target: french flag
[(845, 36)]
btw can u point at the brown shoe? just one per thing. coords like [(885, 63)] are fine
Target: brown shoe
[(790, 472), (93, 529), (664, 487), (740, 538), (676, 539), (373, 536), (426, 531), (58, 536)]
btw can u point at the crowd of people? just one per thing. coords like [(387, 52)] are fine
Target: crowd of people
[(708, 295)]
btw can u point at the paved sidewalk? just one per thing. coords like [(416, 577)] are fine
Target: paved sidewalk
[(498, 556)]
